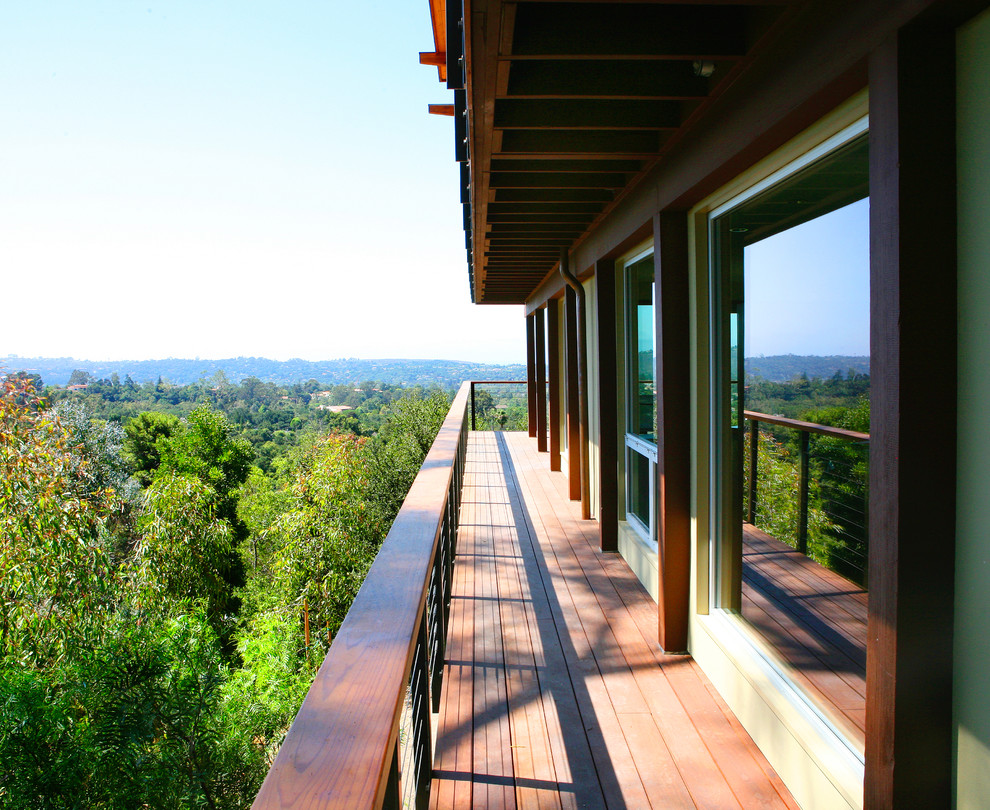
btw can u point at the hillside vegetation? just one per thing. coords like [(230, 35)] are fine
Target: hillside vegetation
[(442, 373), (156, 581)]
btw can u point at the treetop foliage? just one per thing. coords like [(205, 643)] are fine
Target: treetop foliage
[(155, 582), (322, 373)]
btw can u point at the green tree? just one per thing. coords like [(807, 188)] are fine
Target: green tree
[(144, 433), (55, 572), (326, 540), (205, 446), (398, 450), (80, 377), (185, 550)]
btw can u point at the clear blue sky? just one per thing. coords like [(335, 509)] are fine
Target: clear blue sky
[(231, 178), (808, 288), (214, 179)]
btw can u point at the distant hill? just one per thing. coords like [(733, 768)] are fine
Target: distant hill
[(445, 373), (784, 367)]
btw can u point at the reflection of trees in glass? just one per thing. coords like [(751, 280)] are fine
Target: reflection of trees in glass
[(838, 489)]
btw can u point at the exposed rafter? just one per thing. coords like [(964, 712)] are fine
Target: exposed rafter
[(569, 103)]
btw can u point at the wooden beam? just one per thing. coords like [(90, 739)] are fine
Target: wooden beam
[(531, 372), (909, 729), (573, 407), (438, 19), (619, 29), (441, 109), (541, 381), (671, 308), (608, 387), (433, 58)]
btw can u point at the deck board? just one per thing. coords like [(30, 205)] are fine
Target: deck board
[(563, 669)]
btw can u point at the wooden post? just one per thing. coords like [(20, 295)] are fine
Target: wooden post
[(573, 411), (531, 372), (909, 728), (581, 305), (802, 527), (671, 308), (553, 365), (608, 387), (541, 381), (754, 457)]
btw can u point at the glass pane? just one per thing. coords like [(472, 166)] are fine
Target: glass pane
[(791, 344), (639, 486), (642, 393)]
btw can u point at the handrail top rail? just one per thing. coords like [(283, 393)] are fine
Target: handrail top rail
[(808, 427), (338, 749), (498, 382)]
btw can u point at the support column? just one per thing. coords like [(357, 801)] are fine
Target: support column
[(553, 363), (541, 381), (608, 387), (671, 308), (531, 373), (909, 751), (573, 413)]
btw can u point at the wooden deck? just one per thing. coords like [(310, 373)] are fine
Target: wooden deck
[(555, 691), (816, 622)]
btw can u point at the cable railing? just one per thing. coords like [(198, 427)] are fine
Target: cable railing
[(344, 747), (808, 485)]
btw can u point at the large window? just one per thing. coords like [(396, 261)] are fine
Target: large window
[(641, 428), (790, 343)]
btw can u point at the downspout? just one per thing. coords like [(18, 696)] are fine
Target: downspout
[(582, 370)]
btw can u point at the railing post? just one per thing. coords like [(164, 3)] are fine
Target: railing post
[(472, 406), (803, 495), (393, 797), (754, 440)]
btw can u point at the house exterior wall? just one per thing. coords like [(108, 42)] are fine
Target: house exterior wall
[(971, 675), (820, 767)]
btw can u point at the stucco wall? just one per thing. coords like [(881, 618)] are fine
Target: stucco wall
[(972, 607)]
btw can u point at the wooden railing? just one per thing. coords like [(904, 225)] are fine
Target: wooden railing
[(342, 750), (804, 430)]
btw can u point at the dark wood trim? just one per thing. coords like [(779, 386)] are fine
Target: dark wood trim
[(608, 387), (909, 750), (541, 381), (807, 427), (671, 266), (531, 373), (553, 365), (573, 397)]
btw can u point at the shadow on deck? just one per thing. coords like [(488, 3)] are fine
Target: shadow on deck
[(556, 693)]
